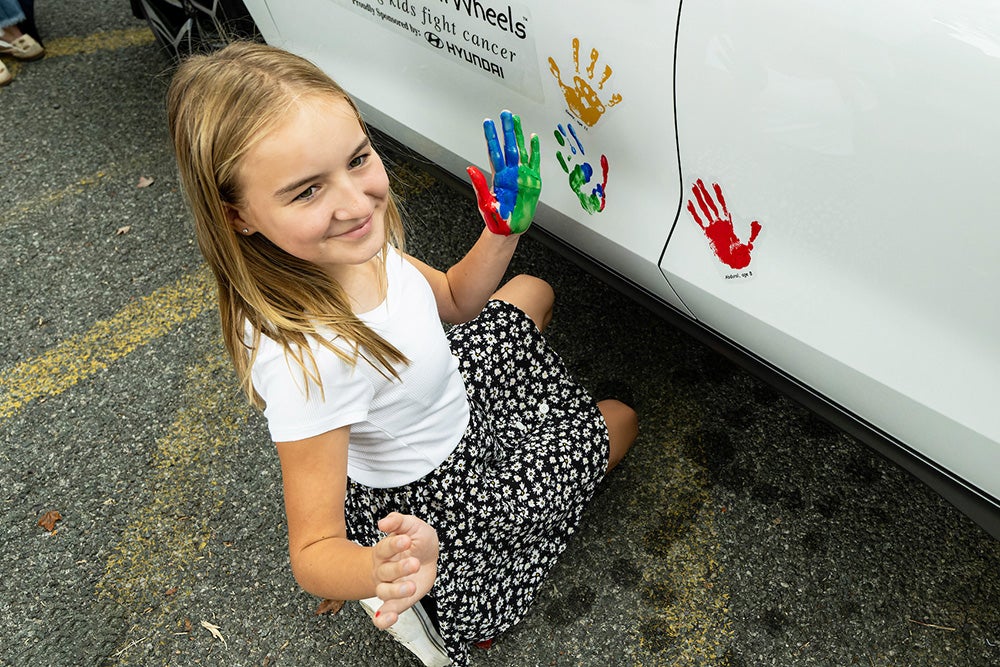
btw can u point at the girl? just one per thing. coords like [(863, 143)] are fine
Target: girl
[(421, 470)]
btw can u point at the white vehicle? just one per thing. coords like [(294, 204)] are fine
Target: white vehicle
[(810, 186)]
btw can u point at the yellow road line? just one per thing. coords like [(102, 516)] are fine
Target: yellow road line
[(87, 182), (157, 551), (690, 622), (695, 623), (79, 357), (55, 196), (110, 40)]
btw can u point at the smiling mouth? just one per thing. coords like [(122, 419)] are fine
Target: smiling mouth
[(358, 230)]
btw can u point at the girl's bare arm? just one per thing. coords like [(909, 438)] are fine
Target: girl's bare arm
[(464, 289), (324, 562)]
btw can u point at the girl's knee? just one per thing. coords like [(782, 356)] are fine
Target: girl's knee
[(538, 288), (532, 295), (625, 419), (623, 428)]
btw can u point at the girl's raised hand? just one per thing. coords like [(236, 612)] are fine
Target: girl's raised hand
[(517, 181), (404, 564)]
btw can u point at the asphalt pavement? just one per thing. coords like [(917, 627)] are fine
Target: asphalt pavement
[(741, 531)]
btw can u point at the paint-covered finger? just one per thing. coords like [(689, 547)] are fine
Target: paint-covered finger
[(487, 203), (493, 145), (519, 137), (483, 193), (510, 145), (535, 159)]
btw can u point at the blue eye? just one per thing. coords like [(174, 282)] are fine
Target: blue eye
[(307, 194)]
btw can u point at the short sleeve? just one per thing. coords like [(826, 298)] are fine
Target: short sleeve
[(291, 413)]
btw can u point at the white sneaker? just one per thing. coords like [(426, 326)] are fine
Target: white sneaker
[(414, 631)]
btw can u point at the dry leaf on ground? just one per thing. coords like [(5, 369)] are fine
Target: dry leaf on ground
[(123, 230), (48, 520), (329, 607), (144, 182), (214, 629)]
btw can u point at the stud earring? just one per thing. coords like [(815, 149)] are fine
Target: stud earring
[(246, 231)]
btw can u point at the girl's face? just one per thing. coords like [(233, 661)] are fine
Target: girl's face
[(315, 188)]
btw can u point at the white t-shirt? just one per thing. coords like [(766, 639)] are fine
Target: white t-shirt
[(400, 430)]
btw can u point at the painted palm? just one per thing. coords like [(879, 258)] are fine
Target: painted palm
[(509, 206)]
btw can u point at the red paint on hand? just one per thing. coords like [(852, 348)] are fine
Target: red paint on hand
[(719, 228), (487, 202)]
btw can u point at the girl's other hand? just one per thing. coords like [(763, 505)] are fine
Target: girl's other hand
[(517, 181), (404, 565)]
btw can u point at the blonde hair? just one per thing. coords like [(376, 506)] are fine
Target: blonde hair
[(219, 106)]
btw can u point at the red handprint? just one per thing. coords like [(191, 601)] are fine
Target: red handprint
[(719, 229)]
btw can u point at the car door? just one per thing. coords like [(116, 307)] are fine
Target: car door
[(595, 81), (840, 167)]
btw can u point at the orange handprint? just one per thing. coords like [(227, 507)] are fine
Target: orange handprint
[(582, 99)]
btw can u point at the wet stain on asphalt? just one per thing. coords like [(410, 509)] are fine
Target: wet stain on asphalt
[(863, 468), (741, 416), (768, 494), (673, 522), (661, 593), (717, 369), (168, 535), (763, 394), (655, 637), (571, 606), (774, 621), (731, 659), (712, 449), (849, 608), (625, 573), (828, 506), (681, 581), (814, 542)]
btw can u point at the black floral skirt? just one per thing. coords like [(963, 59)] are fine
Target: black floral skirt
[(506, 501)]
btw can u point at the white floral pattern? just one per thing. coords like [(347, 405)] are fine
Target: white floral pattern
[(505, 502)]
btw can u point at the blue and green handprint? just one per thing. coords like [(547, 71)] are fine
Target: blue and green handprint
[(580, 175)]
